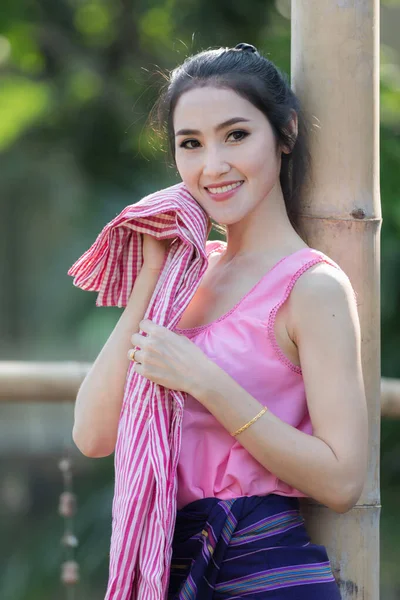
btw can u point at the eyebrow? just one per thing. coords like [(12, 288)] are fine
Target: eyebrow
[(217, 128)]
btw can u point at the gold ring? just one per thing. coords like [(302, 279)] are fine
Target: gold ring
[(132, 357)]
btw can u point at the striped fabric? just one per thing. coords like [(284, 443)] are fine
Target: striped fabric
[(253, 547), (149, 430)]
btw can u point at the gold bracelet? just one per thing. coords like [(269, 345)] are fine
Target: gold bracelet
[(250, 422)]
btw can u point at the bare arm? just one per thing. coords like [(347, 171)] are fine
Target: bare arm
[(99, 399)]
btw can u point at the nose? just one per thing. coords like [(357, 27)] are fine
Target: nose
[(214, 163)]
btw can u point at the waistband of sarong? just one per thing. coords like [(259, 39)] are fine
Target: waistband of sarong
[(193, 517), (271, 503)]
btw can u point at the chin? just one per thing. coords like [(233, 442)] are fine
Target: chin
[(229, 223), (233, 220)]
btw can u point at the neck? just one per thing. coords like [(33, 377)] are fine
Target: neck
[(265, 231)]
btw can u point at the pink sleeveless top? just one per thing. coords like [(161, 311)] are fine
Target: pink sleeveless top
[(212, 463)]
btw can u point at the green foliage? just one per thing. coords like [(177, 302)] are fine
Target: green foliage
[(22, 103)]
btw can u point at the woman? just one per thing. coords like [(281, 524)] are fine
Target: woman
[(277, 327), (268, 350)]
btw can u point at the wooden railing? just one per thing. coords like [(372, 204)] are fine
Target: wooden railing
[(60, 381)]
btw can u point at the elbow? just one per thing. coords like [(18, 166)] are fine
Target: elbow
[(89, 448), (345, 487), (345, 498), (341, 506)]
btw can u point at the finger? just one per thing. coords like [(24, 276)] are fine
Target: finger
[(138, 339), (149, 326), (134, 352), (144, 325)]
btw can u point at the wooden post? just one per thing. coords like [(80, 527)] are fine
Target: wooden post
[(335, 73)]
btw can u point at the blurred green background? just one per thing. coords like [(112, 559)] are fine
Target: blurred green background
[(77, 81)]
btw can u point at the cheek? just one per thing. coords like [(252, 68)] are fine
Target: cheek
[(186, 167), (265, 163), (190, 176)]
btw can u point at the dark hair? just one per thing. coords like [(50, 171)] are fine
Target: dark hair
[(244, 70)]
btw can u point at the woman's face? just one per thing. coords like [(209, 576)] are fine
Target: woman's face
[(211, 152)]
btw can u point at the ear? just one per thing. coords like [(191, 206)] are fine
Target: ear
[(292, 129)]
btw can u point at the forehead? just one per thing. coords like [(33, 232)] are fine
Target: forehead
[(206, 106)]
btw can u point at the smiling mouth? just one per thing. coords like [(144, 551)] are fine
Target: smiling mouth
[(224, 188)]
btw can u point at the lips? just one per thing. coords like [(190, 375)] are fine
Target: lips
[(221, 196), (222, 184)]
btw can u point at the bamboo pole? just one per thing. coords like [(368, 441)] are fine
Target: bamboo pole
[(335, 73)]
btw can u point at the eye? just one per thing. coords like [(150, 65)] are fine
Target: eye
[(183, 145), (240, 132)]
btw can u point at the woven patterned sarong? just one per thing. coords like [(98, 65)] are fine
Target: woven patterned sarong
[(255, 548)]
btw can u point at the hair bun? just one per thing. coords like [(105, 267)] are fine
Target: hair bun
[(246, 47)]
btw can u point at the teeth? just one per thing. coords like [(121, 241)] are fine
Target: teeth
[(225, 188)]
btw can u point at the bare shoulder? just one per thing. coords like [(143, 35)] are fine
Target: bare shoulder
[(323, 276), (322, 292)]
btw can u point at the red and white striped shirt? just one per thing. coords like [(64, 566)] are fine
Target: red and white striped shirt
[(149, 430)]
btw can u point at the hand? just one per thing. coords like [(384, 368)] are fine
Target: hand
[(154, 251), (169, 359)]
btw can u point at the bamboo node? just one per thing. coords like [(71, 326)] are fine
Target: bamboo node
[(358, 213)]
